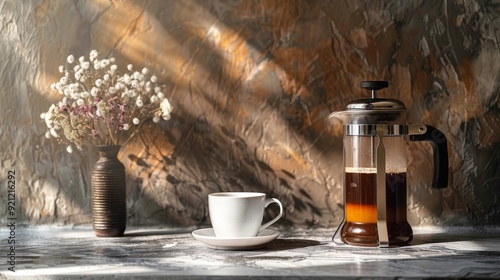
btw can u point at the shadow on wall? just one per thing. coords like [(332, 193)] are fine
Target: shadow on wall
[(254, 82), (224, 147)]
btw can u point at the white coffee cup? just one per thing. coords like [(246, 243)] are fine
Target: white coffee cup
[(239, 214)]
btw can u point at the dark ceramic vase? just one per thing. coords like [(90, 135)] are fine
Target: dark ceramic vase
[(109, 211)]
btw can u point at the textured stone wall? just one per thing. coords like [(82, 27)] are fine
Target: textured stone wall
[(252, 84)]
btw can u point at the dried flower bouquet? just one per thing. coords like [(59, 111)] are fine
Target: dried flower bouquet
[(100, 106)]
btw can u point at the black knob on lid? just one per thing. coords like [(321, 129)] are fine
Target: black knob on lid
[(374, 85)]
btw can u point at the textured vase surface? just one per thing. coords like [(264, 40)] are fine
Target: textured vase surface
[(109, 211)]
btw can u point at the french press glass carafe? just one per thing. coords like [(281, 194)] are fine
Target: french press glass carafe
[(375, 195)]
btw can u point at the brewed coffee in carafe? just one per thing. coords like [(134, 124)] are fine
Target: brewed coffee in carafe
[(360, 179), (375, 195)]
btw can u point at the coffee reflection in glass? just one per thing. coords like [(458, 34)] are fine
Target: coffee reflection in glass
[(360, 226), (360, 181)]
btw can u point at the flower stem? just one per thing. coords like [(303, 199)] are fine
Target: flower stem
[(135, 132), (111, 135)]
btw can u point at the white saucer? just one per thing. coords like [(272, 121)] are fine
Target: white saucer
[(207, 237)]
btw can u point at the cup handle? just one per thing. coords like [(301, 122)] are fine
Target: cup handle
[(266, 203)]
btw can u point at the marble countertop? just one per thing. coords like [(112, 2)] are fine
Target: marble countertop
[(54, 252)]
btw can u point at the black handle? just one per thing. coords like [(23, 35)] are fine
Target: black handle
[(374, 85), (440, 150)]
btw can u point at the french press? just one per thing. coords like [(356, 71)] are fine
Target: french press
[(375, 131)]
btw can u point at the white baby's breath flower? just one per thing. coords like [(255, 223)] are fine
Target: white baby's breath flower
[(42, 115), (97, 66), (81, 59), (70, 59), (136, 121), (63, 80), (157, 89), (154, 79), (85, 65), (153, 99), (98, 113), (127, 79), (136, 75), (69, 149), (130, 67), (112, 59), (160, 95), (49, 122), (78, 75), (74, 95), (61, 69), (53, 86), (134, 83), (145, 71), (85, 94), (76, 68), (104, 63), (139, 102), (166, 108), (126, 126), (156, 119), (53, 132), (112, 90), (166, 116), (132, 93), (98, 82), (93, 54), (80, 102), (47, 134), (94, 91), (106, 77)]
